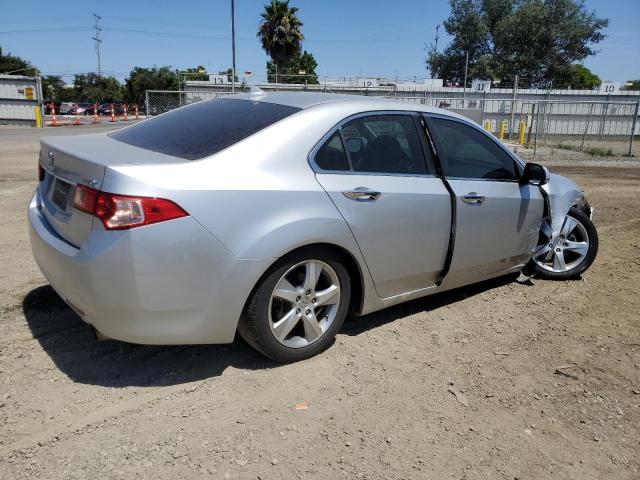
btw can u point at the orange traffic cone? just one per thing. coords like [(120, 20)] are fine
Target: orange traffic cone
[(125, 112), (95, 113), (53, 114), (77, 122), (113, 113), (136, 110)]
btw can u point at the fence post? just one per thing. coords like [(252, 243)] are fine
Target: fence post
[(146, 102), (633, 127), (533, 114), (586, 129), (513, 106), (604, 120), (535, 139)]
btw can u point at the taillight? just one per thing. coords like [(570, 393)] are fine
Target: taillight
[(40, 173), (85, 199), (120, 212)]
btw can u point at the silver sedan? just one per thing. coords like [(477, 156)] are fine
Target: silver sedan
[(277, 215)]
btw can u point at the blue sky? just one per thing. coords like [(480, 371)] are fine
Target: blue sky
[(347, 37)]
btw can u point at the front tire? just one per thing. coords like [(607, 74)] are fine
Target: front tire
[(298, 307), (567, 253)]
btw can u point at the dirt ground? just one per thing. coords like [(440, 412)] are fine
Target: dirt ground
[(547, 375)]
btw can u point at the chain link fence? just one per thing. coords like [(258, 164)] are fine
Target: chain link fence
[(161, 101), (596, 127)]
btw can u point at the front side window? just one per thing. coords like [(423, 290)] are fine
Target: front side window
[(203, 128), (465, 152), (384, 144)]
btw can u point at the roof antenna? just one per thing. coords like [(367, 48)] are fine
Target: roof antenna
[(256, 91)]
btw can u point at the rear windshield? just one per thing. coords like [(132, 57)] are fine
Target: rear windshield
[(203, 128)]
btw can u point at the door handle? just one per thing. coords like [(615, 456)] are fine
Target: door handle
[(472, 198), (362, 194)]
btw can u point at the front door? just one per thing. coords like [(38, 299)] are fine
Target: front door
[(374, 169), (497, 218)]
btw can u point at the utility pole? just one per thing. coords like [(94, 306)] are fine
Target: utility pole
[(233, 47), (96, 26)]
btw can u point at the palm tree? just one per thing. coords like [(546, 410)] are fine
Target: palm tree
[(279, 31)]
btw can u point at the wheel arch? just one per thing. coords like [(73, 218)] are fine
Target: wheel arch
[(354, 269)]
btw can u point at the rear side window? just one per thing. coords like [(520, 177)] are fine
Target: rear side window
[(331, 155), (203, 128)]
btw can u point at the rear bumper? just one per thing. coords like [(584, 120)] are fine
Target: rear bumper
[(167, 283)]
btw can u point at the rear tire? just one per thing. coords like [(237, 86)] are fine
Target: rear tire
[(570, 252), (298, 306)]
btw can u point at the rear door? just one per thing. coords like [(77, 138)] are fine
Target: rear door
[(497, 218), (374, 168)]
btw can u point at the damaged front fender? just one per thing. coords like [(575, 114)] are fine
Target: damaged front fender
[(563, 194)]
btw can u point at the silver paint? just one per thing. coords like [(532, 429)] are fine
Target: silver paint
[(187, 280)]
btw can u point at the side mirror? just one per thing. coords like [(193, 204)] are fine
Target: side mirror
[(535, 174), (354, 144)]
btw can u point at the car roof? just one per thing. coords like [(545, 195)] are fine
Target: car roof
[(306, 100)]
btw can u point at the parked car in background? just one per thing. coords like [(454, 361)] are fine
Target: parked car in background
[(81, 109), (65, 108), (48, 110), (277, 215), (105, 108)]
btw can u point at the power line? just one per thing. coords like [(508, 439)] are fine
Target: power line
[(48, 30), (48, 18), (166, 34), (204, 36)]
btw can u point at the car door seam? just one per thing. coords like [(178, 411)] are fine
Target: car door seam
[(448, 259), (364, 259)]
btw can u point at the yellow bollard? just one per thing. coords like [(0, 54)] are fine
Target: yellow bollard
[(521, 130), (38, 117), (487, 125), (501, 130)]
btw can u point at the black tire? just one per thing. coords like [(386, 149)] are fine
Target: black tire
[(254, 325), (586, 262)]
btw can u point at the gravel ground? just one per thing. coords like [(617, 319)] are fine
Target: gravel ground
[(505, 379)]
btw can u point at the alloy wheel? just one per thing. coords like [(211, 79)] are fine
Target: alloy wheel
[(564, 250), (304, 303)]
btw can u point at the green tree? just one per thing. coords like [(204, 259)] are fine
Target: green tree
[(580, 77), (228, 73), (11, 63), (198, 73), (289, 72), (91, 88), (52, 87), (635, 85), (142, 79), (280, 32), (539, 40)]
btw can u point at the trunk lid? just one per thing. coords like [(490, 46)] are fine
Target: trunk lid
[(81, 160)]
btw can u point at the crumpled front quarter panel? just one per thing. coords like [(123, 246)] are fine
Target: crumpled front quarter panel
[(563, 194)]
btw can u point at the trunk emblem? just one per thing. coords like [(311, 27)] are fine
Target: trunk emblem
[(50, 162), (90, 182)]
